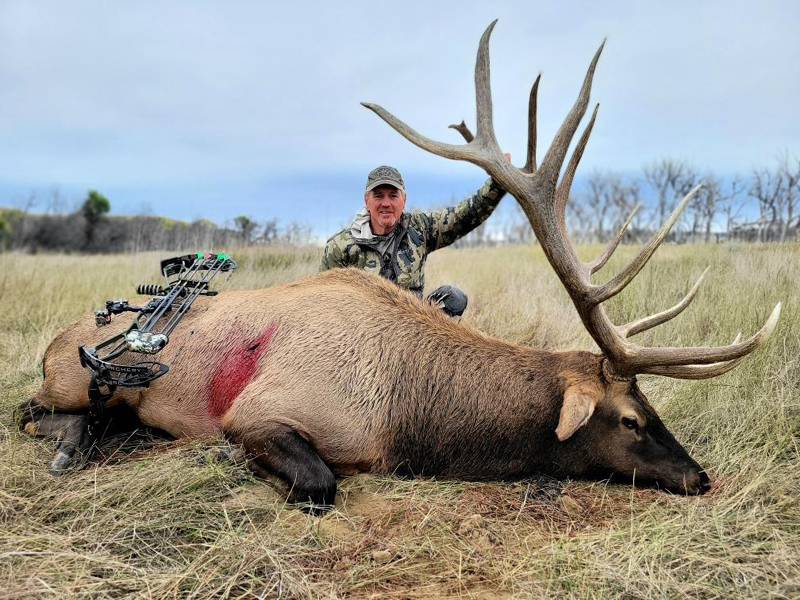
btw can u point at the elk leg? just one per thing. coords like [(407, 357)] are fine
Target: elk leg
[(285, 453), (74, 438), (73, 443)]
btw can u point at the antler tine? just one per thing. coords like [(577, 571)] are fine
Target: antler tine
[(646, 358), (601, 260), (551, 165), (483, 92), (460, 152), (530, 163), (624, 277), (651, 321), (562, 193), (697, 371), (463, 130), (694, 371)]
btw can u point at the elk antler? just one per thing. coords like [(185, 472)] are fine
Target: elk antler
[(544, 201)]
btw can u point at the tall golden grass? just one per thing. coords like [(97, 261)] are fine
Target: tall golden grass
[(173, 520)]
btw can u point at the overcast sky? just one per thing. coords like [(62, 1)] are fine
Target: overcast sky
[(215, 109)]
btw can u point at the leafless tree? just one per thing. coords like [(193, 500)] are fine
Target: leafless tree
[(269, 231), (711, 200), (704, 206), (731, 203), (623, 198), (25, 206), (789, 170), (665, 177), (297, 234), (598, 201), (767, 187), (686, 182), (579, 221)]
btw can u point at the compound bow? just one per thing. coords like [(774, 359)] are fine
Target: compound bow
[(118, 361)]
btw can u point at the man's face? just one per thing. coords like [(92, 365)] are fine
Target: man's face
[(385, 204)]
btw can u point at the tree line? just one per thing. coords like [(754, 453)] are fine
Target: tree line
[(91, 229), (762, 206)]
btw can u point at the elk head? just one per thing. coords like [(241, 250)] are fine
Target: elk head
[(606, 427), (606, 424)]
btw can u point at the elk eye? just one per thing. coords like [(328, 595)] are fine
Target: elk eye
[(630, 423)]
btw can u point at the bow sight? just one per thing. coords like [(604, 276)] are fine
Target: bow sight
[(117, 361)]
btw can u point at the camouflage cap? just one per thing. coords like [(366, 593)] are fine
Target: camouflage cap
[(384, 175)]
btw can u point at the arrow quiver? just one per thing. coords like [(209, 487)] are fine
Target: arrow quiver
[(122, 360)]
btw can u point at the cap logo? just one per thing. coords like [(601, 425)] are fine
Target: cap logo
[(383, 173)]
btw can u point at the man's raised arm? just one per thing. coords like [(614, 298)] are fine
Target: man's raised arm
[(451, 223)]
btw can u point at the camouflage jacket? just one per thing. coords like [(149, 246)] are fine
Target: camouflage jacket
[(416, 235)]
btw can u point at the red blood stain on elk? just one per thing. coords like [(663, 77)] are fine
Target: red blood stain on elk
[(236, 371)]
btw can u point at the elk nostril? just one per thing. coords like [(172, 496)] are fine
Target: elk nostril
[(705, 483)]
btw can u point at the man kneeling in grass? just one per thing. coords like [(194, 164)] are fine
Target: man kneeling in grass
[(395, 244)]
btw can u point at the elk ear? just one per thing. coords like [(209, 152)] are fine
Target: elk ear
[(578, 406)]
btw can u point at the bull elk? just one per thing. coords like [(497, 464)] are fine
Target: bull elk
[(343, 372)]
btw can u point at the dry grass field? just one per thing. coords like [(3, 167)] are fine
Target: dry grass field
[(158, 518)]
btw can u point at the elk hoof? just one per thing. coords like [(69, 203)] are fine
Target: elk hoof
[(72, 448), (316, 499), (68, 460), (285, 453), (61, 463)]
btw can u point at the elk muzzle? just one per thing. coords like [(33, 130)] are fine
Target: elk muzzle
[(661, 461)]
